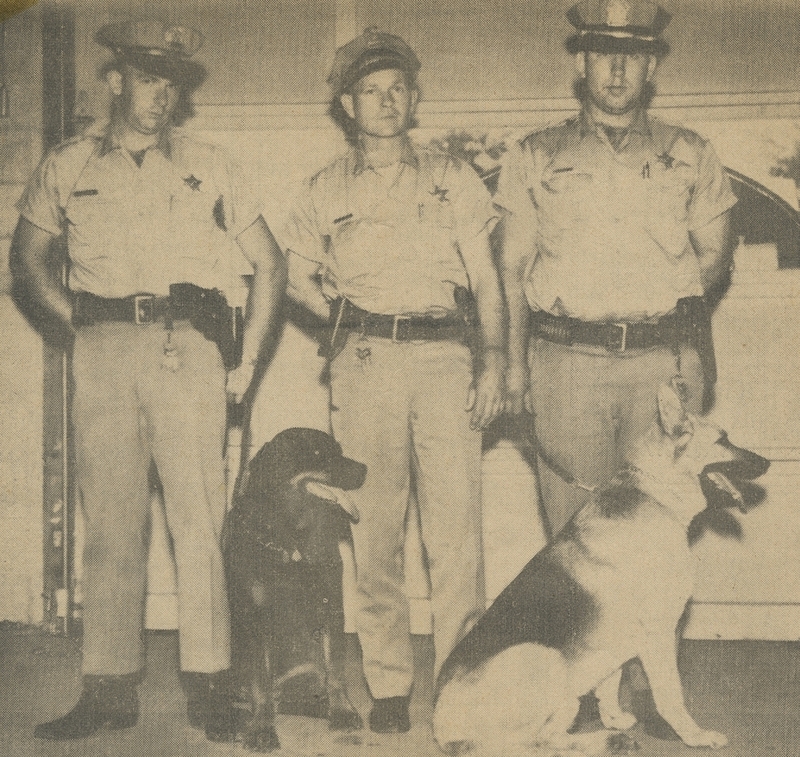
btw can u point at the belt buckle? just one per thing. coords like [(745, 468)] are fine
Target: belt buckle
[(623, 340), (398, 319), (144, 309)]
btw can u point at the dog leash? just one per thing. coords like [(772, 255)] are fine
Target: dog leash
[(525, 431)]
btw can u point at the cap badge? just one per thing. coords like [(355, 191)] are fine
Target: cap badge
[(372, 36), (618, 13), (193, 183)]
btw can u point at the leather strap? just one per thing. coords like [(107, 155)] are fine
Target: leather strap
[(615, 337)]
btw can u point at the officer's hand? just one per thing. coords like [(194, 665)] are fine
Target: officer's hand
[(239, 381), (486, 394), (518, 396)]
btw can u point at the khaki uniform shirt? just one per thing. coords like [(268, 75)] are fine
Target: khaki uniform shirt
[(395, 245), (612, 227), (138, 229)]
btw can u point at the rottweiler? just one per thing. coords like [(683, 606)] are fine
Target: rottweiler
[(284, 572)]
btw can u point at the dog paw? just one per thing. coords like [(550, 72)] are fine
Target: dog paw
[(701, 737), (344, 720), (265, 740), (617, 721)]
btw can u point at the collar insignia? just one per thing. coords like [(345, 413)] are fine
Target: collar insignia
[(193, 183)]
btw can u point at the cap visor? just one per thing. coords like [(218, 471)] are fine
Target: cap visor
[(347, 473), (180, 71), (609, 45)]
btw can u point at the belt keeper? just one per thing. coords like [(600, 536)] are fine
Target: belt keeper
[(623, 340)]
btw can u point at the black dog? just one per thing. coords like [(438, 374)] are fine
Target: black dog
[(284, 575)]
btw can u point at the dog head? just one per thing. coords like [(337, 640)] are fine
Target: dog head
[(693, 463), (297, 488)]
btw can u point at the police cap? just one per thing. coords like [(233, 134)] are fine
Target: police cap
[(618, 26), (159, 49), (374, 50)]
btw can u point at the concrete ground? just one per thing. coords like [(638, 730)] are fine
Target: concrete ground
[(748, 690)]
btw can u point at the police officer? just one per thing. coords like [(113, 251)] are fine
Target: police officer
[(615, 226), (383, 240), (150, 215)]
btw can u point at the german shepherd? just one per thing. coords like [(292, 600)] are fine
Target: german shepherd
[(284, 572), (612, 586)]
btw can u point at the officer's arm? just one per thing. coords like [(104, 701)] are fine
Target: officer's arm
[(304, 285), (714, 245), (266, 292), (29, 260), (518, 233), (487, 397)]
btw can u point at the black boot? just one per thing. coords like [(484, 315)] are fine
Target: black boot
[(211, 706), (195, 686), (390, 715), (109, 701)]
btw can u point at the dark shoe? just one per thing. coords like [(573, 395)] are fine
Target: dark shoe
[(219, 711), (195, 685), (390, 715), (109, 701)]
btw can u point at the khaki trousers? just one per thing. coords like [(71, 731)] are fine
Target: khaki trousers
[(132, 404), (590, 407), (399, 408)]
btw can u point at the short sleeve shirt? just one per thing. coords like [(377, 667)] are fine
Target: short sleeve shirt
[(392, 247), (612, 227), (133, 229)]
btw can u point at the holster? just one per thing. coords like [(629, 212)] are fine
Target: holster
[(468, 310), (334, 336), (693, 316), (213, 318)]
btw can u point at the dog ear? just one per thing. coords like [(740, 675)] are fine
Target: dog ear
[(671, 412)]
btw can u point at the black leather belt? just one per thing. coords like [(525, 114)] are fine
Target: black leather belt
[(398, 328), (141, 309), (615, 337)]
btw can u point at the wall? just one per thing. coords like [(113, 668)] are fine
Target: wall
[(21, 479)]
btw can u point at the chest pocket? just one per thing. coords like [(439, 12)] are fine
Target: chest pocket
[(93, 217), (671, 191), (567, 198), (435, 210), (197, 219), (668, 196)]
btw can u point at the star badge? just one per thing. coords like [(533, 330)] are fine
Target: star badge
[(440, 193), (193, 183), (666, 160)]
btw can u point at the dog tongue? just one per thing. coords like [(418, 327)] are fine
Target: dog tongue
[(721, 482), (335, 495)]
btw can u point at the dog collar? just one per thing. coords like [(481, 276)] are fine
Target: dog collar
[(286, 556)]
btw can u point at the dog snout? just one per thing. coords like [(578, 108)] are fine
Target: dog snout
[(743, 463), (335, 495)]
